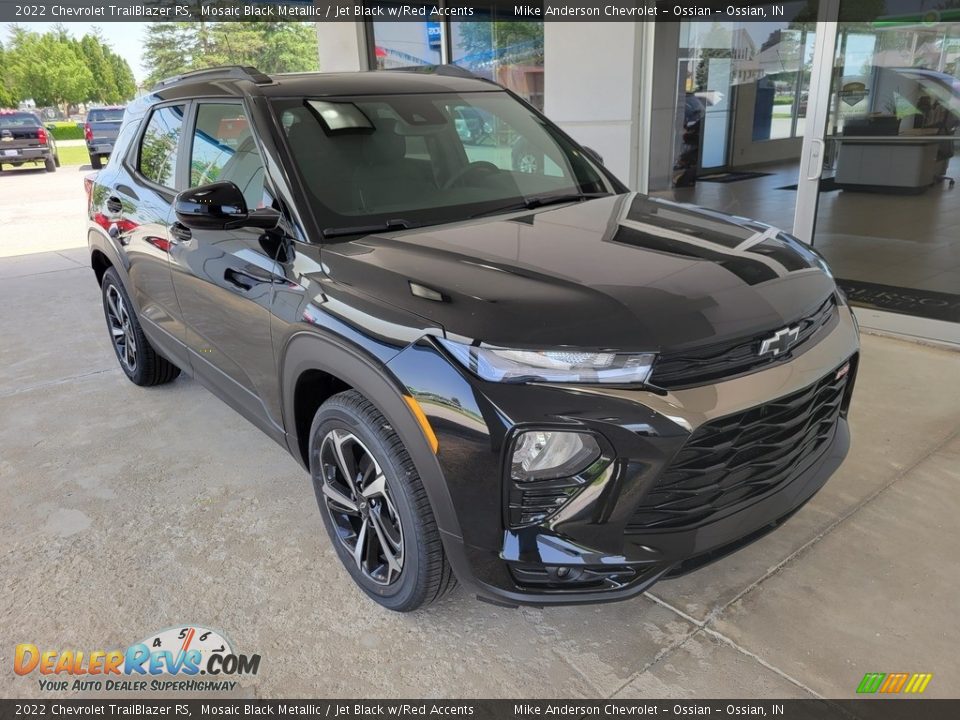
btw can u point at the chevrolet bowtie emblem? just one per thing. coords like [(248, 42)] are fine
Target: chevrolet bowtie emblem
[(780, 341)]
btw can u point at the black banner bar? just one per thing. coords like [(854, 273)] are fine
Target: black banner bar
[(104, 11), (876, 708)]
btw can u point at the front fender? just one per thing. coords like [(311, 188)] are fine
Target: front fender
[(314, 351)]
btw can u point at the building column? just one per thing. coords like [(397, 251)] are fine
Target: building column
[(592, 87), (342, 46)]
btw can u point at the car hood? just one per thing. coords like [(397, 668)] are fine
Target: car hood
[(625, 272)]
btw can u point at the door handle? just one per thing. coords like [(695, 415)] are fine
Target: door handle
[(817, 146), (248, 277), (180, 233), (114, 205), (240, 279)]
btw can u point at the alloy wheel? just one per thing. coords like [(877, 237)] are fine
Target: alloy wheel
[(528, 164), (358, 500), (121, 328)]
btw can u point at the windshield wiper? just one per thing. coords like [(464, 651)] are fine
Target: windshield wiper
[(399, 224), (538, 201)]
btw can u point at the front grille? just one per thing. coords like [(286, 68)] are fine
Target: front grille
[(740, 457), (715, 362)]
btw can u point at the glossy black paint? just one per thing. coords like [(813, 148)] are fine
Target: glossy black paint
[(273, 320)]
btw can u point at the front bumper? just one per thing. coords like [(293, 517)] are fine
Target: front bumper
[(589, 551)]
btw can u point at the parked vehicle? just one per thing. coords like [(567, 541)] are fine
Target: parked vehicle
[(23, 139), (100, 132), (540, 384)]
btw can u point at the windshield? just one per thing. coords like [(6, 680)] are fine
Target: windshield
[(427, 159), (10, 120), (106, 115)]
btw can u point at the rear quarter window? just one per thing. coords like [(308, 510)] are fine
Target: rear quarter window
[(157, 159)]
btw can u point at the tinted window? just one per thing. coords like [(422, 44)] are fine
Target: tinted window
[(224, 149), (18, 119), (105, 115), (158, 149)]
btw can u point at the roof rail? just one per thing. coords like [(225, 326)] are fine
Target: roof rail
[(236, 72), (448, 70)]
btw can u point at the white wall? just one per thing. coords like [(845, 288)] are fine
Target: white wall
[(342, 46), (592, 86)]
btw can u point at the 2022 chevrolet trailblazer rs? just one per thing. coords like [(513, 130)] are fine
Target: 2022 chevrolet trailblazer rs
[(526, 379)]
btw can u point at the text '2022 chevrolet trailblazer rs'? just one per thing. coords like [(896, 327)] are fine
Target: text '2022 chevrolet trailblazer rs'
[(509, 372)]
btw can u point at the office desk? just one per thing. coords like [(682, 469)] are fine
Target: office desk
[(905, 163)]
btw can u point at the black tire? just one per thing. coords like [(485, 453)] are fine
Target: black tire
[(96, 162), (56, 159), (425, 574), (50, 165), (147, 367)]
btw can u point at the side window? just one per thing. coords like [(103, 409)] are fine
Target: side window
[(158, 149), (224, 149)]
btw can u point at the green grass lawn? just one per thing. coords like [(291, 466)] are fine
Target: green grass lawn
[(74, 155)]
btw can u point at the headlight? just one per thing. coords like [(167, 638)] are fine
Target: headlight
[(544, 454), (569, 366)]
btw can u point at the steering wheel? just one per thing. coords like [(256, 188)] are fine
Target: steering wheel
[(474, 167)]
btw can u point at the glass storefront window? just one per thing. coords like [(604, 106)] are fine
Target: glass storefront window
[(406, 44), (509, 53)]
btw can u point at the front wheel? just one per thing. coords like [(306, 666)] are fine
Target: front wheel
[(138, 360), (374, 506)]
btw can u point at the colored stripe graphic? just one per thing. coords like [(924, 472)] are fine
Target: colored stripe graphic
[(894, 682), (871, 682), (918, 682)]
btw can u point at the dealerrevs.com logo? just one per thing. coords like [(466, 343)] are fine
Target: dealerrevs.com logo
[(169, 660)]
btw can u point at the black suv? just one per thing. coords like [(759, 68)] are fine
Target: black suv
[(538, 383)]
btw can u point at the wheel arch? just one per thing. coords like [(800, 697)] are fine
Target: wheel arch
[(316, 366)]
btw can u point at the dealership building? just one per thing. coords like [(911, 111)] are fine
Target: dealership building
[(838, 126)]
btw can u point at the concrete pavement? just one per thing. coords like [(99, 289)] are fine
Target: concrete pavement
[(127, 510)]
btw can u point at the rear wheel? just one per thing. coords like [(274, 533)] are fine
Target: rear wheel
[(138, 360), (56, 159), (96, 162), (374, 506), (50, 165)]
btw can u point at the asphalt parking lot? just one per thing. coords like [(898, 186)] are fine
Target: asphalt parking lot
[(127, 510)]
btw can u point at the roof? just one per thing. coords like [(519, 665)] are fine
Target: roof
[(233, 82)]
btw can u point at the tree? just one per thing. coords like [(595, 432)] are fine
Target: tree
[(272, 47), (8, 93), (104, 87), (123, 76), (48, 69), (167, 50)]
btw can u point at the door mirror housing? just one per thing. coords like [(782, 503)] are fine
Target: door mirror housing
[(220, 206), (593, 155)]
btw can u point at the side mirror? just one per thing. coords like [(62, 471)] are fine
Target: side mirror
[(593, 155), (220, 206), (50, 127)]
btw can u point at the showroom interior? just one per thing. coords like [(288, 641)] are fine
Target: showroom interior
[(843, 131)]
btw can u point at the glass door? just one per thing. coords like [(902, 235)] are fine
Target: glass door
[(877, 194), (729, 107)]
